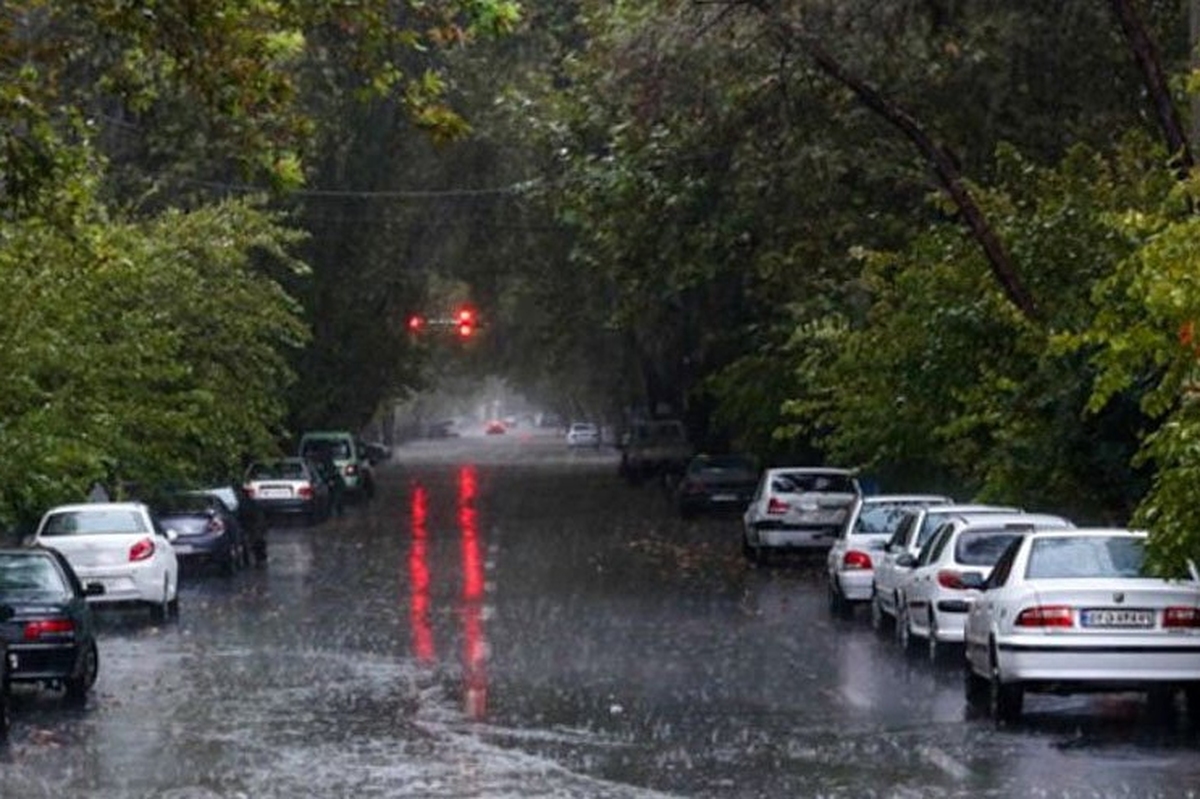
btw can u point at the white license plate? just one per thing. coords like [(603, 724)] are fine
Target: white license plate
[(724, 497), (1112, 617), (275, 493), (183, 549)]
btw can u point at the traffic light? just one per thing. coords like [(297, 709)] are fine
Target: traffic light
[(466, 322), (415, 323)]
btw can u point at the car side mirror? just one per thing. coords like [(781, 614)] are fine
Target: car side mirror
[(93, 589)]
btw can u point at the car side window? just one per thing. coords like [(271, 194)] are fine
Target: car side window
[(940, 540), (1003, 567), (935, 542), (896, 542)]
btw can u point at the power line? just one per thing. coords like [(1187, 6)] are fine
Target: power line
[(365, 194)]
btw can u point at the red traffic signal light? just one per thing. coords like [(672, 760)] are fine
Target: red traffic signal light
[(466, 322), (415, 323)]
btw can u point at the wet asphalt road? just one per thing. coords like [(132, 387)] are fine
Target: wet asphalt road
[(507, 619)]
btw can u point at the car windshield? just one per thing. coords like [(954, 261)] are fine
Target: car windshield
[(715, 464), (187, 504), (982, 547), (881, 518), (338, 450), (1085, 556), (94, 522), (33, 574), (278, 470), (798, 482)]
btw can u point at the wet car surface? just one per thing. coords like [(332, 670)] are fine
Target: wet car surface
[(511, 619)]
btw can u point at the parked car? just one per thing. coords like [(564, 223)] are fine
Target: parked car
[(377, 452), (495, 427), (583, 434), (288, 486), (716, 483), (946, 575), (348, 455), (849, 567), (206, 528), (5, 612), (798, 509), (121, 546), (911, 534), (1071, 612), (654, 448), (47, 625)]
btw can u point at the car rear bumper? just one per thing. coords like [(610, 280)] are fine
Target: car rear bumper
[(856, 585), (1100, 661), (36, 662), (816, 538), (132, 585)]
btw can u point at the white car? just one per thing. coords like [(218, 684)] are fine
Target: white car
[(849, 566), (119, 545), (1070, 612), (947, 574), (798, 508), (583, 434), (911, 534)]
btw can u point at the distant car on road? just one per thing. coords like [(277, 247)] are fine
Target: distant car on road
[(716, 483), (654, 448), (46, 623), (119, 545), (1071, 611), (288, 486), (495, 427), (206, 528), (348, 455), (583, 434), (798, 508)]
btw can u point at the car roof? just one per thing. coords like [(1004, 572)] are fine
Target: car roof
[(969, 507), (93, 506), (882, 499), (809, 470), (1078, 532), (997, 521)]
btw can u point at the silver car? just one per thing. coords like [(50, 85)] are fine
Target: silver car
[(798, 508), (849, 567), (1070, 612)]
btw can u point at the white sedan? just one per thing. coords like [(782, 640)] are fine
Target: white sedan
[(1070, 612), (849, 566), (119, 545), (798, 508), (950, 569), (583, 434)]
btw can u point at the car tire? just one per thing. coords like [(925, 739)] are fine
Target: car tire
[(231, 560), (878, 617), (838, 606), (4, 720), (1160, 703), (1005, 700), (975, 688), (78, 685), (904, 634), (935, 649), (1191, 696)]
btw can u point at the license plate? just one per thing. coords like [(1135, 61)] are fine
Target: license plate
[(183, 549), (1112, 617), (275, 493), (724, 497)]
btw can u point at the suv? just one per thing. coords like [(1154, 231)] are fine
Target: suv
[(349, 456), (800, 508), (655, 448)]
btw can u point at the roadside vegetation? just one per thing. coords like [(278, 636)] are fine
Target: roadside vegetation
[(951, 243)]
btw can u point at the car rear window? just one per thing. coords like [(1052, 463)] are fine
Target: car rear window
[(337, 449), (281, 470), (30, 574), (1085, 556), (799, 482), (880, 519), (186, 504), (94, 522), (982, 547)]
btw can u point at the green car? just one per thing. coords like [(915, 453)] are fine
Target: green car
[(349, 456)]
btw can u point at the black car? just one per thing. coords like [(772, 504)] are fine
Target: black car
[(46, 622), (4, 613), (712, 483), (206, 529)]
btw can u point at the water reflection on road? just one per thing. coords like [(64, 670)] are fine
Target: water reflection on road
[(508, 619)]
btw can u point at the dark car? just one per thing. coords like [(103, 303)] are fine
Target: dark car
[(5, 613), (717, 483), (206, 530), (47, 622)]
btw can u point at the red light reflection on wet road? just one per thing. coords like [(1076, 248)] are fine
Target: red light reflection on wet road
[(474, 638), (418, 579)]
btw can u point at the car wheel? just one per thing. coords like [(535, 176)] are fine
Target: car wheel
[(752, 553), (935, 651), (838, 605), (1191, 696), (231, 560), (3, 709), (79, 684), (903, 631), (1006, 700), (878, 618), (975, 688), (1160, 703)]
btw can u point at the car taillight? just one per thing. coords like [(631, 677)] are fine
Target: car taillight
[(48, 628), (142, 550), (305, 491), (948, 578), (1181, 618), (215, 526), (854, 559), (1046, 616), (249, 489), (776, 506), (351, 470)]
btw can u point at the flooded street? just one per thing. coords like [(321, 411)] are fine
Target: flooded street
[(508, 619)]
